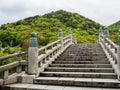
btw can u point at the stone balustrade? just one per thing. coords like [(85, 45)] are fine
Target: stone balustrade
[(110, 47), (36, 59), (18, 65), (51, 51), (112, 51)]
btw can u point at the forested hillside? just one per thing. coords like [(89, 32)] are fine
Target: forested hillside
[(114, 31), (115, 27), (47, 26)]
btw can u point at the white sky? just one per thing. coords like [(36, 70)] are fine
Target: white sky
[(104, 12)]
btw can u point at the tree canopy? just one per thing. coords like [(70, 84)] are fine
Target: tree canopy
[(47, 26)]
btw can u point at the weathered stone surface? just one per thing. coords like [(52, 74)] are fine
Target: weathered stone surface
[(26, 78), (33, 60), (80, 65)]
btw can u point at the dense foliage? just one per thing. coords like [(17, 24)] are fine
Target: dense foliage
[(114, 31), (46, 27)]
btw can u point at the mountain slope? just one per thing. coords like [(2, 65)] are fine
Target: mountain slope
[(73, 20), (47, 27), (114, 28)]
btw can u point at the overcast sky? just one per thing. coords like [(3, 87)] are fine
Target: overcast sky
[(104, 12)]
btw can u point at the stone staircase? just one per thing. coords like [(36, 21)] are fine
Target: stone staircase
[(80, 65)]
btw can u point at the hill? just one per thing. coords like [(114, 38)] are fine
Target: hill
[(114, 28), (47, 26)]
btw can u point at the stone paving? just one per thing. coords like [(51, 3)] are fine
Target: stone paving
[(20, 86)]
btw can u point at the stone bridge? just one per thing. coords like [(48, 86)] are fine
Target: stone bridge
[(64, 63)]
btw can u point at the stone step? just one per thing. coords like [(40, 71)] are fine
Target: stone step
[(60, 69), (88, 59), (83, 48), (81, 62), (86, 52), (81, 53), (20, 86), (24, 86), (82, 65), (84, 82), (79, 75), (80, 56), (80, 59)]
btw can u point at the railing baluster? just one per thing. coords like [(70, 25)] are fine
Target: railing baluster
[(60, 36), (19, 68), (6, 73), (26, 66)]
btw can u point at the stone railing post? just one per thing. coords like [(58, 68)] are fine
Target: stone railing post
[(60, 37), (74, 40), (70, 33), (100, 33), (19, 58), (106, 32), (33, 55), (118, 53)]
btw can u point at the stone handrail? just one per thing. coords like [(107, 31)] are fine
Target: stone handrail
[(113, 45), (108, 44), (49, 45), (11, 55), (51, 53), (36, 59), (18, 63), (112, 52)]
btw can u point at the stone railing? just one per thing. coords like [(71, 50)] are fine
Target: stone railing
[(51, 51), (39, 59), (19, 65), (36, 59), (112, 51)]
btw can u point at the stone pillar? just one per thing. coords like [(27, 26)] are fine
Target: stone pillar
[(33, 55), (60, 37), (100, 30), (70, 33), (118, 62), (100, 33), (75, 41), (106, 32)]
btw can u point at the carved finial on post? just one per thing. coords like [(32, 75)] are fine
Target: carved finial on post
[(60, 37), (69, 32), (119, 32), (106, 32), (33, 55), (60, 34), (100, 30)]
